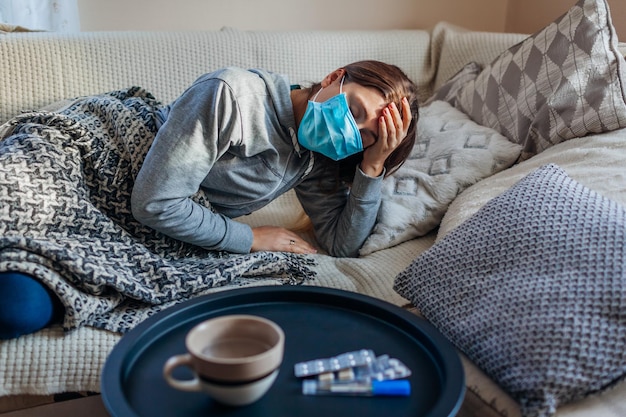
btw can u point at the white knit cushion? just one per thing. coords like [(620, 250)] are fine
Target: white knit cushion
[(452, 152)]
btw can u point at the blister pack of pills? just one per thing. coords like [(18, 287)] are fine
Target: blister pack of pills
[(354, 366), (336, 363), (383, 368)]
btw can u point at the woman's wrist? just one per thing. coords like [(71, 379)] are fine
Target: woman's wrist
[(372, 170)]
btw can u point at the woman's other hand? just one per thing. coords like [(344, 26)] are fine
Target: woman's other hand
[(279, 239)]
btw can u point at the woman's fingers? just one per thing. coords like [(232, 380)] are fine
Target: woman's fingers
[(401, 121), (298, 245), (279, 239), (393, 125), (391, 116), (407, 116)]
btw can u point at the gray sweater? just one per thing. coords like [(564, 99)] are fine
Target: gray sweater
[(228, 147)]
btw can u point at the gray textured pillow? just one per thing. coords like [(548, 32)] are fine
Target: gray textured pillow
[(532, 288), (451, 153), (565, 81)]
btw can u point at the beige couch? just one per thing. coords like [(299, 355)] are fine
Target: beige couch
[(41, 68)]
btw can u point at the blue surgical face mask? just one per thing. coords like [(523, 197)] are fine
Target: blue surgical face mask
[(329, 128)]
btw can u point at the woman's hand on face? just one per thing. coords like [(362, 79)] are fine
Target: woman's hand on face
[(392, 129), (279, 239)]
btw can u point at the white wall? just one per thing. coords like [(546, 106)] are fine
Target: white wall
[(522, 16), (99, 15)]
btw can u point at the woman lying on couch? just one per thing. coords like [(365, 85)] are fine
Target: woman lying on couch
[(232, 134), (244, 137)]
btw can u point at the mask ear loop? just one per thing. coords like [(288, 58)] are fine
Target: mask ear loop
[(317, 94), (321, 88)]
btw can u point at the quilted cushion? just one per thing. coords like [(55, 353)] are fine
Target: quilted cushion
[(452, 152), (565, 81), (532, 288)]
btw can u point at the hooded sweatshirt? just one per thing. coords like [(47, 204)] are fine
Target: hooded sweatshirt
[(228, 147)]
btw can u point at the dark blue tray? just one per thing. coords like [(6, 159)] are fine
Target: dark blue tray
[(318, 323)]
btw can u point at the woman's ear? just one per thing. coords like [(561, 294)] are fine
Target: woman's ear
[(333, 76)]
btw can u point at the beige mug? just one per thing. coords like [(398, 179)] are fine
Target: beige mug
[(235, 358)]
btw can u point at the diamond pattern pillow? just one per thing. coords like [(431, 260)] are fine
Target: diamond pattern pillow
[(565, 81), (452, 152), (449, 89), (532, 288)]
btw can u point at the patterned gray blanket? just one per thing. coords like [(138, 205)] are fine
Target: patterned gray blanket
[(65, 183)]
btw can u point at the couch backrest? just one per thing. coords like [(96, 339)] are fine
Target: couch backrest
[(40, 68), (453, 47)]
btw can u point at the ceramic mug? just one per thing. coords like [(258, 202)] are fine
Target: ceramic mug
[(235, 358)]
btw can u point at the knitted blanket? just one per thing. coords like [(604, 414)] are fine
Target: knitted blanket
[(65, 217)]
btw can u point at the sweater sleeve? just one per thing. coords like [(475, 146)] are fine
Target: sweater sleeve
[(202, 124), (344, 217)]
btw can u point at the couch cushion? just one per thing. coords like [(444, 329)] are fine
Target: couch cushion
[(452, 152), (565, 81), (532, 288), (596, 161)]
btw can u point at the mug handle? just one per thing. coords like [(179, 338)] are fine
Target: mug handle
[(184, 385)]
